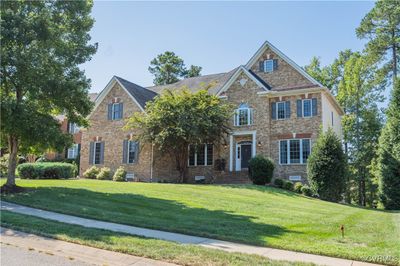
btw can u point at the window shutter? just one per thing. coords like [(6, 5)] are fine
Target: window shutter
[(235, 118), (110, 111), (251, 116), (136, 151), (273, 111), (287, 109), (125, 151), (299, 108), (121, 110), (102, 152), (261, 66), (79, 149), (91, 151), (275, 64), (314, 106)]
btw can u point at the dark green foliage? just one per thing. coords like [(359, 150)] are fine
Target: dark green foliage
[(120, 174), (288, 185), (104, 174), (261, 170), (306, 191), (297, 187), (91, 173), (327, 167), (46, 170), (278, 182)]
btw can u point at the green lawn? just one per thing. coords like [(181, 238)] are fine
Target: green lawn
[(250, 214), (139, 246)]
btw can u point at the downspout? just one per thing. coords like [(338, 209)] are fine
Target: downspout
[(151, 163)]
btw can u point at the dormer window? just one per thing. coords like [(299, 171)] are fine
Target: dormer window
[(268, 65), (243, 115)]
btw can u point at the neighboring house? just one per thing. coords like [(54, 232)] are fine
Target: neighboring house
[(74, 130), (280, 110)]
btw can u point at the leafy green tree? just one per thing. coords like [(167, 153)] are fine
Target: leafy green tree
[(327, 167), (169, 68), (382, 27), (174, 120), (388, 162), (42, 45)]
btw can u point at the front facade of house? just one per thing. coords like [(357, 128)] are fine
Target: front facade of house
[(280, 110)]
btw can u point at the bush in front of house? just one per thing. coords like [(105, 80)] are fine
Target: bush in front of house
[(46, 170), (297, 187), (288, 185), (306, 191), (91, 173), (120, 174), (261, 170), (104, 174), (278, 182)]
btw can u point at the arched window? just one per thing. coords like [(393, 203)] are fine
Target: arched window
[(243, 115)]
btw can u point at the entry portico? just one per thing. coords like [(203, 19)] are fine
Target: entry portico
[(239, 144)]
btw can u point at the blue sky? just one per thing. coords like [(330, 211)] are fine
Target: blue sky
[(218, 36)]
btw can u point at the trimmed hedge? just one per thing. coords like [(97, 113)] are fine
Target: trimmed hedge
[(261, 170), (91, 173), (46, 170), (104, 174), (278, 182), (120, 174)]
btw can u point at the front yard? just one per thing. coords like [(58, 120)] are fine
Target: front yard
[(242, 213)]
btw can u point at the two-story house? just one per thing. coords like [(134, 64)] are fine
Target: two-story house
[(280, 111)]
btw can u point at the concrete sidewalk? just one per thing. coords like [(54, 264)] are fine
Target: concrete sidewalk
[(275, 254), (48, 251)]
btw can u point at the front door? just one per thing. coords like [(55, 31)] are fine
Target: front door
[(245, 155)]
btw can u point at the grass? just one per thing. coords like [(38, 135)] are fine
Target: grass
[(243, 213), (139, 246)]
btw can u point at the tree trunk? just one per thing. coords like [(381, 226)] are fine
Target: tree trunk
[(12, 163), (181, 158)]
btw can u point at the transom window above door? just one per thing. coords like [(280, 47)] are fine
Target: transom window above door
[(243, 115)]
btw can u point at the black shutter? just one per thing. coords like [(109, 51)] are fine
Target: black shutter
[(299, 108), (275, 64), (110, 111), (314, 106), (121, 110), (102, 152), (125, 151), (287, 109), (273, 110), (136, 152), (261, 66), (91, 151)]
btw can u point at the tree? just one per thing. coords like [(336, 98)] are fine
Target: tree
[(327, 167), (175, 120), (42, 45), (388, 162), (382, 27), (168, 68)]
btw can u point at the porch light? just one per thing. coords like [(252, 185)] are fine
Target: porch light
[(259, 144)]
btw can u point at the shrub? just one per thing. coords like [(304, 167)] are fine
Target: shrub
[(278, 182), (104, 174), (306, 191), (327, 167), (297, 187), (91, 173), (46, 170), (120, 174), (261, 170), (4, 163), (288, 185), (41, 160)]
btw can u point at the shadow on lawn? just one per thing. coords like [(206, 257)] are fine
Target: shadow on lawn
[(155, 213), (266, 189)]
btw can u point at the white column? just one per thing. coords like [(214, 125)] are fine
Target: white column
[(253, 150), (230, 153)]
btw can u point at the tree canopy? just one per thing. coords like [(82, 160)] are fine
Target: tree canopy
[(174, 120), (42, 45), (169, 68)]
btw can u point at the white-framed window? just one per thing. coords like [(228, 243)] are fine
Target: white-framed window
[(132, 150), (294, 151), (307, 108), (73, 128), (73, 151), (97, 153), (280, 110), (116, 111), (243, 115), (268, 65), (200, 155)]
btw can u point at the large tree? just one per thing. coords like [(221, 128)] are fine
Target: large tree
[(169, 68), (381, 26), (42, 45), (388, 162), (174, 120)]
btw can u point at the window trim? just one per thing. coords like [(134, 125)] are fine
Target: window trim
[(74, 126), (94, 152), (195, 155), (288, 151), (311, 107), (265, 65), (127, 150), (74, 148), (113, 111), (236, 118), (284, 110)]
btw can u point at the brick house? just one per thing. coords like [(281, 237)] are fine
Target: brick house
[(280, 110)]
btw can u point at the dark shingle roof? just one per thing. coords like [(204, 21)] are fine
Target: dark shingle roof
[(260, 79), (142, 95)]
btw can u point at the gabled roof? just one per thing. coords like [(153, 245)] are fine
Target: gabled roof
[(266, 45)]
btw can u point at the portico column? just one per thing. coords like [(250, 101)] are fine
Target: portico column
[(253, 150), (230, 153)]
